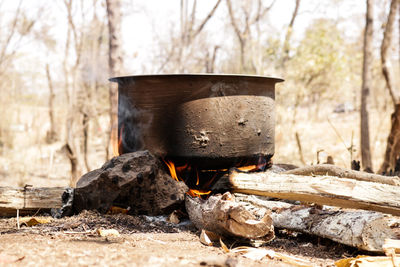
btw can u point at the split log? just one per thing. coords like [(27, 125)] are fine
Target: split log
[(366, 230), (29, 199), (323, 190), (332, 170), (222, 215)]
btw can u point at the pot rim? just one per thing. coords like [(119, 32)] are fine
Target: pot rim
[(172, 75)]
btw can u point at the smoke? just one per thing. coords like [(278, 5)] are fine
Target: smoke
[(132, 123)]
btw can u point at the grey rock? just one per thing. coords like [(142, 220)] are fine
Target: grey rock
[(137, 181)]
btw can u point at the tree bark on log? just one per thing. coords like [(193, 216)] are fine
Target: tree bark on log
[(222, 215), (323, 190), (28, 199), (332, 170), (366, 230)]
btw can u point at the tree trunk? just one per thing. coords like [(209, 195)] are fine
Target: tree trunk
[(85, 123), (51, 135), (386, 42), (72, 146), (115, 63), (392, 152), (289, 31), (365, 89)]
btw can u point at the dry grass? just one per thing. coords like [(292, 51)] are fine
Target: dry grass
[(330, 133), (30, 160)]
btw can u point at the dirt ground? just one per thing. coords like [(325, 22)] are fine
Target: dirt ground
[(145, 241)]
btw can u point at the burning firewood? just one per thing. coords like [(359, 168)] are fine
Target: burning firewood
[(222, 215), (323, 190), (366, 230)]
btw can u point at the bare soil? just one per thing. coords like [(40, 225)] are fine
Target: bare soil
[(143, 241)]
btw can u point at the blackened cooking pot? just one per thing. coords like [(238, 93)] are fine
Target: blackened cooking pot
[(197, 116)]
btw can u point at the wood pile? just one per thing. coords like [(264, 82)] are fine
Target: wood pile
[(350, 207)]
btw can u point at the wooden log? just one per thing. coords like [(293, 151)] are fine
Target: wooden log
[(366, 230), (332, 170), (29, 199), (222, 215), (323, 190)]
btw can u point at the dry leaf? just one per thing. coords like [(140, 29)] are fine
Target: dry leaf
[(204, 239), (256, 254), (259, 253), (366, 261), (31, 221), (108, 232), (224, 247), (209, 238), (292, 260)]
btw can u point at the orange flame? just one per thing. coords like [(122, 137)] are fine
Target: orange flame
[(175, 170), (248, 168), (197, 193), (117, 142), (172, 169), (204, 178)]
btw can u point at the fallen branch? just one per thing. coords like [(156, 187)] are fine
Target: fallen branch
[(222, 215), (366, 230), (29, 199), (332, 170), (323, 190)]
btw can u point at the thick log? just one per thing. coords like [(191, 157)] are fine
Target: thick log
[(29, 199), (332, 170), (222, 215), (323, 190), (366, 230)]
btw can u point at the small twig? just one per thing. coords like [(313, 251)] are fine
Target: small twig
[(349, 149), (18, 227), (74, 232), (300, 148)]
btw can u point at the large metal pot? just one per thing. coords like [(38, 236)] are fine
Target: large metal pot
[(198, 116)]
